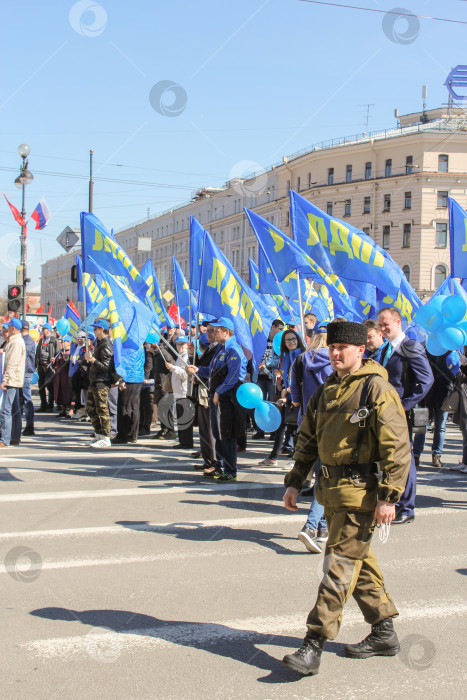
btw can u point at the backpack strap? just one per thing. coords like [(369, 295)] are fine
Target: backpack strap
[(362, 423)]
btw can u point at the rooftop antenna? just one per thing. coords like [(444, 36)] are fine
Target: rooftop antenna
[(367, 115), (424, 117), (396, 116)]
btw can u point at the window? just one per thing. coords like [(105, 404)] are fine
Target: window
[(366, 205), (288, 185), (236, 258), (368, 171), (330, 176), (298, 184), (443, 163), (329, 208), (406, 271), (387, 202), (386, 236), (388, 168), (348, 207), (408, 200), (273, 192), (309, 180), (441, 235), (348, 174), (406, 235), (440, 275), (287, 219), (442, 198), (252, 252), (366, 229), (408, 165)]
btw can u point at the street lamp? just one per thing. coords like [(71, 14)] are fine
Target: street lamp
[(24, 178)]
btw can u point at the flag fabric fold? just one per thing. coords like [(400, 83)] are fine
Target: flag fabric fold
[(41, 214), (183, 295), (154, 294)]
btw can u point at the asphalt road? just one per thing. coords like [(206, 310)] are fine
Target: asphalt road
[(125, 575)]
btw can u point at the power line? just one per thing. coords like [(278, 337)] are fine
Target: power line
[(384, 12)]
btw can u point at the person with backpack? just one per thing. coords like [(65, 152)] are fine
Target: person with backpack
[(309, 371)]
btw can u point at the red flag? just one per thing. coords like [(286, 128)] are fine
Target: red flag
[(16, 213), (70, 303), (173, 313), (40, 310), (50, 310)]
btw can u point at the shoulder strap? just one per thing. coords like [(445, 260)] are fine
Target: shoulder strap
[(361, 427)]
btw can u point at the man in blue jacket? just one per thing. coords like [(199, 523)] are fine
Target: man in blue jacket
[(28, 372), (410, 374), (227, 371)]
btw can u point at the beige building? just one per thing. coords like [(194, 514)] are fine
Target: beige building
[(392, 184)]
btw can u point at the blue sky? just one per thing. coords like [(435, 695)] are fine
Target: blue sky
[(258, 79)]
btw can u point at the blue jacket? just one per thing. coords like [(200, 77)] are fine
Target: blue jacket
[(303, 386), (376, 354), (230, 363), (30, 355), (205, 371), (419, 376), (287, 361)]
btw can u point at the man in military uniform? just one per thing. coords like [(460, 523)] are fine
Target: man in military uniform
[(365, 461)]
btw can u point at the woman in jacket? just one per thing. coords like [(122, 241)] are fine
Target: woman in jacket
[(184, 406), (61, 365), (291, 347), (309, 371)]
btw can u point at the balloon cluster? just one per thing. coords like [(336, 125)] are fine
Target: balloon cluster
[(267, 415), (62, 326), (443, 319)]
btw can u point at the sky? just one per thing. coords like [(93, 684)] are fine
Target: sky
[(174, 96)]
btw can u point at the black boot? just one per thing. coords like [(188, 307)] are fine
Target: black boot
[(307, 659), (382, 641)]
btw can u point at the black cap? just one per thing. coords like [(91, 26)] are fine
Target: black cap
[(348, 333)]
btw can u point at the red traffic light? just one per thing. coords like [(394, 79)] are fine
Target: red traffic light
[(14, 291)]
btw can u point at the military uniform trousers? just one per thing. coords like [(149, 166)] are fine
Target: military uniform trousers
[(350, 567), (97, 408)]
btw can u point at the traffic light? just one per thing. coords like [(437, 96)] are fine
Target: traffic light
[(14, 297), (74, 273)]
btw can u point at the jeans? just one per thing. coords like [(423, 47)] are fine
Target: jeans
[(316, 513), (28, 404), (439, 432), (11, 416)]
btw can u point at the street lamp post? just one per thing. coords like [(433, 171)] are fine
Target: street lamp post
[(23, 179)]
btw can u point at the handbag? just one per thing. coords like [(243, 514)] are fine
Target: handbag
[(420, 419), (452, 401), (291, 415)]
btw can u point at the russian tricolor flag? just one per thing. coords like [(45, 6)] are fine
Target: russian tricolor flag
[(41, 214)]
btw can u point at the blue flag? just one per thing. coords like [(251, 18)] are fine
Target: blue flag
[(284, 256), (130, 322), (98, 248), (457, 239), (224, 293), (196, 252), (73, 318), (154, 294), (183, 295), (340, 248), (275, 302)]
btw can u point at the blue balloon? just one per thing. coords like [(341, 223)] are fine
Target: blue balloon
[(436, 303), (62, 326), (423, 315), (152, 337), (267, 417), (276, 343), (463, 326), (435, 322), (452, 338), (34, 378), (454, 309), (433, 345), (249, 395)]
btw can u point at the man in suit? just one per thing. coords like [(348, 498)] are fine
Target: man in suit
[(47, 347), (410, 374)]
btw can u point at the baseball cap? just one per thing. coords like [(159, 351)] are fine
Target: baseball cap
[(101, 323), (5, 326), (203, 339), (81, 334), (16, 323), (25, 325), (223, 322), (48, 326), (182, 339), (91, 336)]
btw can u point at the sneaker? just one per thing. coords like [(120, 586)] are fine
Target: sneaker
[(416, 459), (144, 432), (322, 534), (288, 466), (461, 471), (458, 468), (287, 451), (268, 462), (308, 537), (212, 473), (28, 431), (102, 442), (225, 478), (258, 436)]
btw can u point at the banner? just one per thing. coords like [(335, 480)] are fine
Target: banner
[(457, 239), (154, 294), (183, 295)]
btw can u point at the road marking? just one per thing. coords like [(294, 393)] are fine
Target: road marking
[(260, 630)]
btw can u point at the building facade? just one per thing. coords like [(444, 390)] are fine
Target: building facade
[(392, 184)]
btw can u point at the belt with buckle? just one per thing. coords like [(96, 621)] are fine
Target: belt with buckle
[(351, 470)]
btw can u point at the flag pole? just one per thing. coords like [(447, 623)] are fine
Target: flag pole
[(300, 306)]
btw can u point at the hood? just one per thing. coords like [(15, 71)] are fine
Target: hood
[(316, 359), (371, 367)]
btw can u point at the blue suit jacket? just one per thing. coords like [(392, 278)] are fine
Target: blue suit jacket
[(418, 374)]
